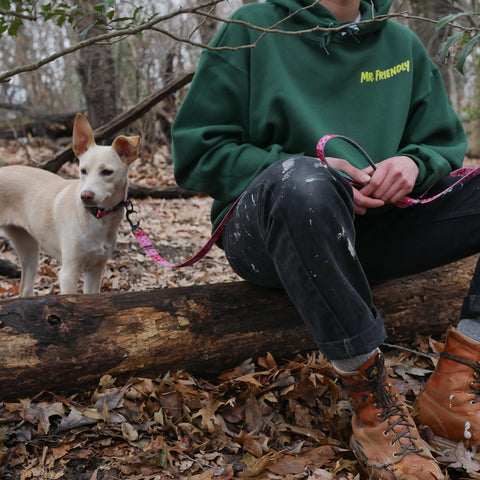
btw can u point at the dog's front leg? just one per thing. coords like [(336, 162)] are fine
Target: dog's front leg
[(92, 278), (68, 277)]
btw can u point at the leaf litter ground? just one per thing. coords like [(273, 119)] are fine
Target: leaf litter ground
[(266, 419)]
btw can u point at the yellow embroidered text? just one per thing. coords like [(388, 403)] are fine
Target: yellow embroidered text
[(379, 75)]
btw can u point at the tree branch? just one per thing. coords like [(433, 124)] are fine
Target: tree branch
[(23, 16), (115, 34), (66, 154), (199, 10)]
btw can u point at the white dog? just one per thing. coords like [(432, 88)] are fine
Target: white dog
[(75, 221)]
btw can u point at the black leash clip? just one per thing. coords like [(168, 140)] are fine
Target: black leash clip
[(130, 210)]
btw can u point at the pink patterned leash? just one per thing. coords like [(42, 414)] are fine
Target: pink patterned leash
[(154, 255), (464, 173)]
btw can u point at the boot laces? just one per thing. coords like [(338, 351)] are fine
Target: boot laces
[(475, 383), (392, 410)]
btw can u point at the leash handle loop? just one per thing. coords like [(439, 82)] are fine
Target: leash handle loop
[(463, 173), (323, 141)]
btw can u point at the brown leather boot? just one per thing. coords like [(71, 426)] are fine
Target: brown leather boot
[(449, 403), (385, 439)]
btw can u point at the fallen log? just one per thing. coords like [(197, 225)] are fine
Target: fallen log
[(67, 342), (167, 192), (164, 191), (120, 121), (37, 124)]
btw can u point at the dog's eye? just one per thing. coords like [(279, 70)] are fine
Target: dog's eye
[(106, 173), (83, 171)]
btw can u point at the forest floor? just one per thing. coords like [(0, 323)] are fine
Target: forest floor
[(268, 418)]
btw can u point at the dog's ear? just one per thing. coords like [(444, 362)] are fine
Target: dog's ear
[(83, 137), (127, 148)]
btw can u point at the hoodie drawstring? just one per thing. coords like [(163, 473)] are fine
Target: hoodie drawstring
[(324, 41), (350, 31)]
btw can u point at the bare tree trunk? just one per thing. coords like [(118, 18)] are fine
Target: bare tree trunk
[(96, 69), (474, 124), (433, 42), (208, 27), (120, 121), (435, 9)]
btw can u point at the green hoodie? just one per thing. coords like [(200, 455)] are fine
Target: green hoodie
[(250, 107)]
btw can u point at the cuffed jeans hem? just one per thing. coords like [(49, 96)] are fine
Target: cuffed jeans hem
[(364, 342)]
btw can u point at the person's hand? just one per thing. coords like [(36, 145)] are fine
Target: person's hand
[(393, 178), (362, 202)]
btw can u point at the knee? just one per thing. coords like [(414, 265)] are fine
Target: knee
[(306, 181)]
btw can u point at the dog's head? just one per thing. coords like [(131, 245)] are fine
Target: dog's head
[(103, 170)]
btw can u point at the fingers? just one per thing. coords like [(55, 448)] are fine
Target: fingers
[(393, 179), (362, 177), (359, 176), (362, 202)]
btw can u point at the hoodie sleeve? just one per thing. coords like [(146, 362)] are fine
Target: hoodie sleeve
[(210, 134), (434, 136)]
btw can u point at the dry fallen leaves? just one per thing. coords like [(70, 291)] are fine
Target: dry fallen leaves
[(177, 426), (269, 419), (261, 420)]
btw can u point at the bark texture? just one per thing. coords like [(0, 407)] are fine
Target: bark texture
[(66, 342)]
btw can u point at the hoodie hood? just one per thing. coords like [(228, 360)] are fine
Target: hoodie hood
[(308, 14)]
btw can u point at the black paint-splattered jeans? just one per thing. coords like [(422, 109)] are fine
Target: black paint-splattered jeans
[(295, 229)]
